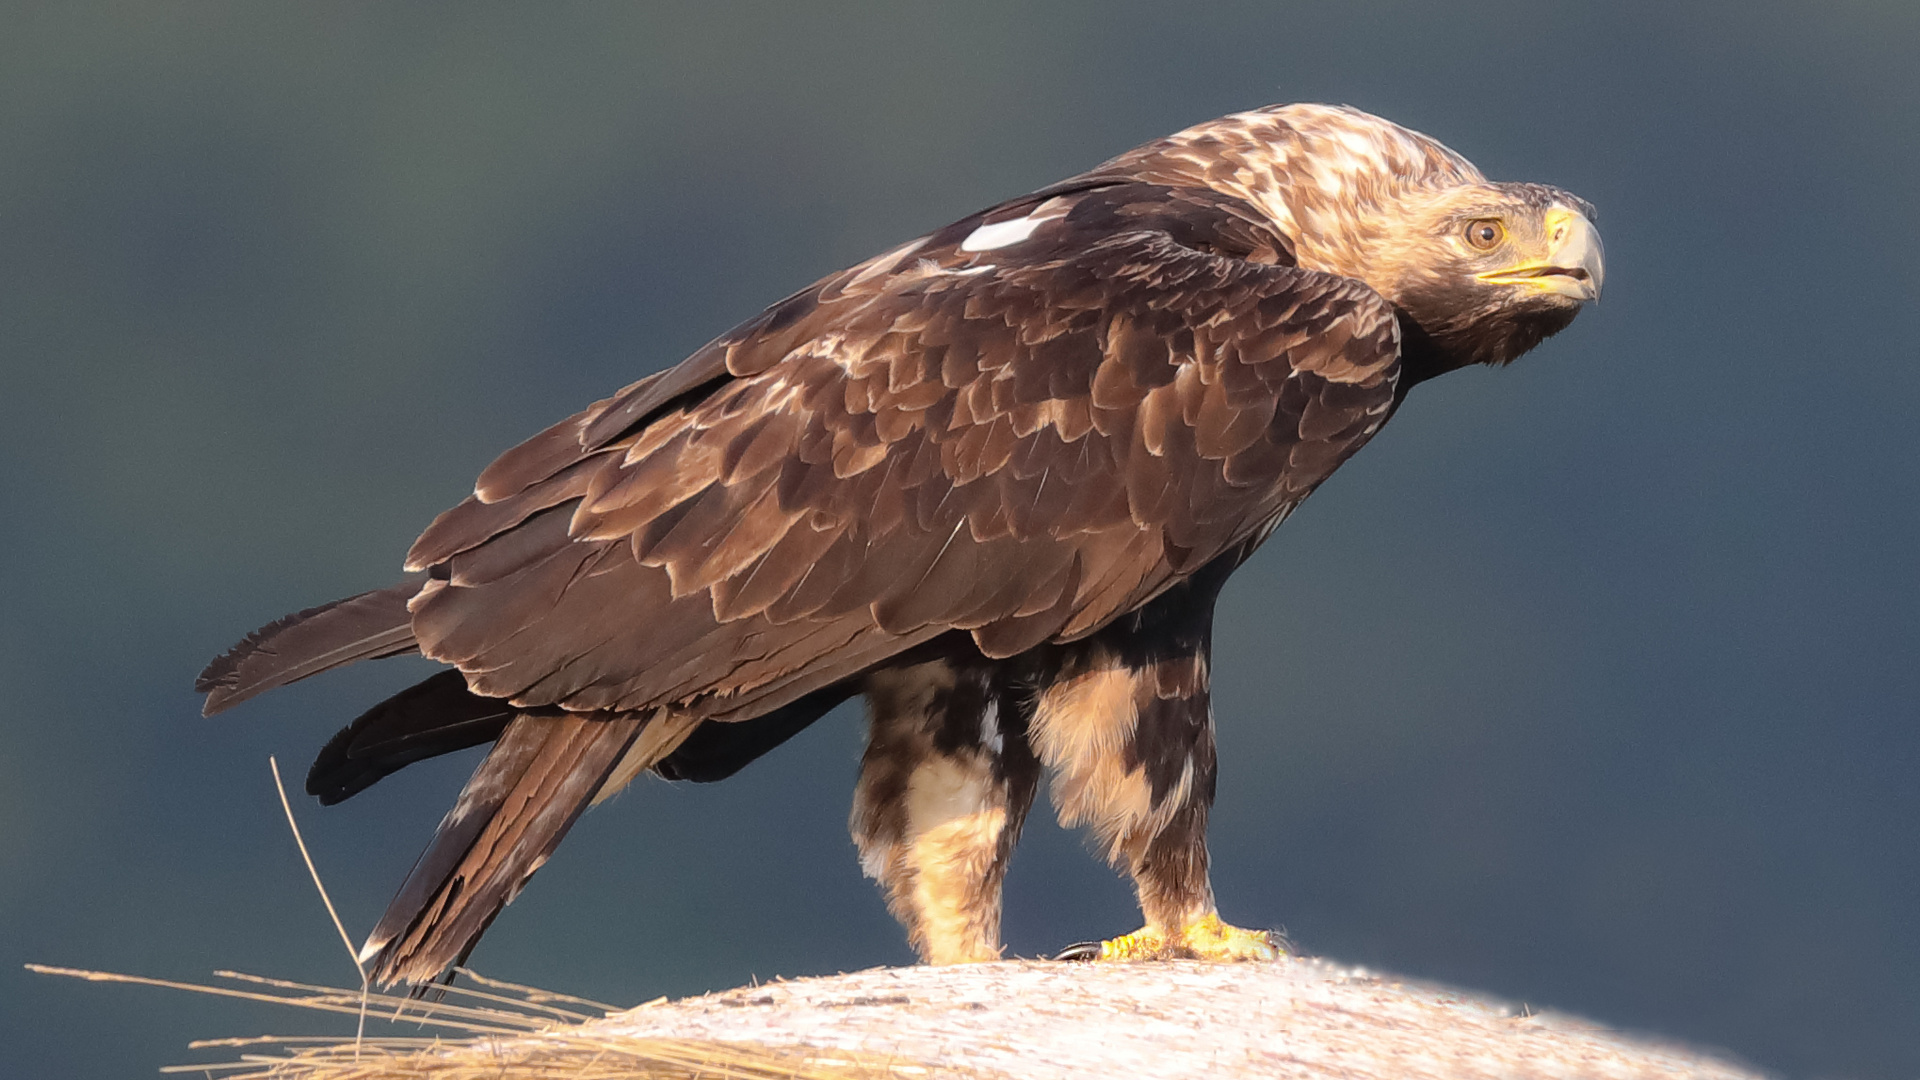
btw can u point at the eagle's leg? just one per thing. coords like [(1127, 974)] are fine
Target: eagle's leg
[(1126, 729), (944, 786)]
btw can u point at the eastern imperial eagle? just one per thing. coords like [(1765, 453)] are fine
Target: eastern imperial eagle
[(992, 479)]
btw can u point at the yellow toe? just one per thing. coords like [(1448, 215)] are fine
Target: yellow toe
[(1211, 939), (1206, 938)]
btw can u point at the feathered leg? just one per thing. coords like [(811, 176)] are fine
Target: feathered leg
[(1125, 726), (944, 786)]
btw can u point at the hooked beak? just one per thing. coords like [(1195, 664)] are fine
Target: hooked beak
[(1575, 263)]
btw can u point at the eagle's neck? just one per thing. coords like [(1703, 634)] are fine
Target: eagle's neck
[(1421, 357)]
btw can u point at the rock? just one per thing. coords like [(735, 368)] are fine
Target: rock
[(1040, 1020)]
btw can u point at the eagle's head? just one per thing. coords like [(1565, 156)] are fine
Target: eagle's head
[(1486, 271), (1482, 271)]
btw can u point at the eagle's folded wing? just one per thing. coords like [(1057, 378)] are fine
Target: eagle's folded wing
[(1022, 427)]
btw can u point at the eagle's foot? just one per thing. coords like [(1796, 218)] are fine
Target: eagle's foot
[(1206, 938)]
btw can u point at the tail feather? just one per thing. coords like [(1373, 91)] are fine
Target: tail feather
[(518, 805), (430, 718), (364, 627)]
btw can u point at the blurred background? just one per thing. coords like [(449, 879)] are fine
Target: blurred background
[(1591, 683)]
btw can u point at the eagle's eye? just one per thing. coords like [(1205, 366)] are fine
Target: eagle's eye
[(1485, 234)]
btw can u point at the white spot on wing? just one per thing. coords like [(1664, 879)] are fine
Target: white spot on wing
[(1001, 234)]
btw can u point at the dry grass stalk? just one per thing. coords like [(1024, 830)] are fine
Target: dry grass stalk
[(506, 1032)]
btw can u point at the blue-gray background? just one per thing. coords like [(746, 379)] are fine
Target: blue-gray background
[(1590, 683)]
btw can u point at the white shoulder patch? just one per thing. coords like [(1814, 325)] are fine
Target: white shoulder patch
[(1001, 233)]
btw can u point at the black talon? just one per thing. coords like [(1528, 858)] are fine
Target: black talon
[(1081, 951)]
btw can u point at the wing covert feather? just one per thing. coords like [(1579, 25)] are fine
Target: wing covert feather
[(1023, 443)]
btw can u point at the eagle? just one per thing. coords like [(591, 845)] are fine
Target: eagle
[(991, 480)]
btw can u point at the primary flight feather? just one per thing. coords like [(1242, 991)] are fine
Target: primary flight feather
[(992, 479)]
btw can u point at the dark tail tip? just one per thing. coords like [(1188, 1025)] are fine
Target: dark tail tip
[(364, 627)]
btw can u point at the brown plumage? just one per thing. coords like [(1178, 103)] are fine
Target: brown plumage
[(992, 478)]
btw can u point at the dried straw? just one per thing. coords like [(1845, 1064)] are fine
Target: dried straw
[(507, 1032)]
